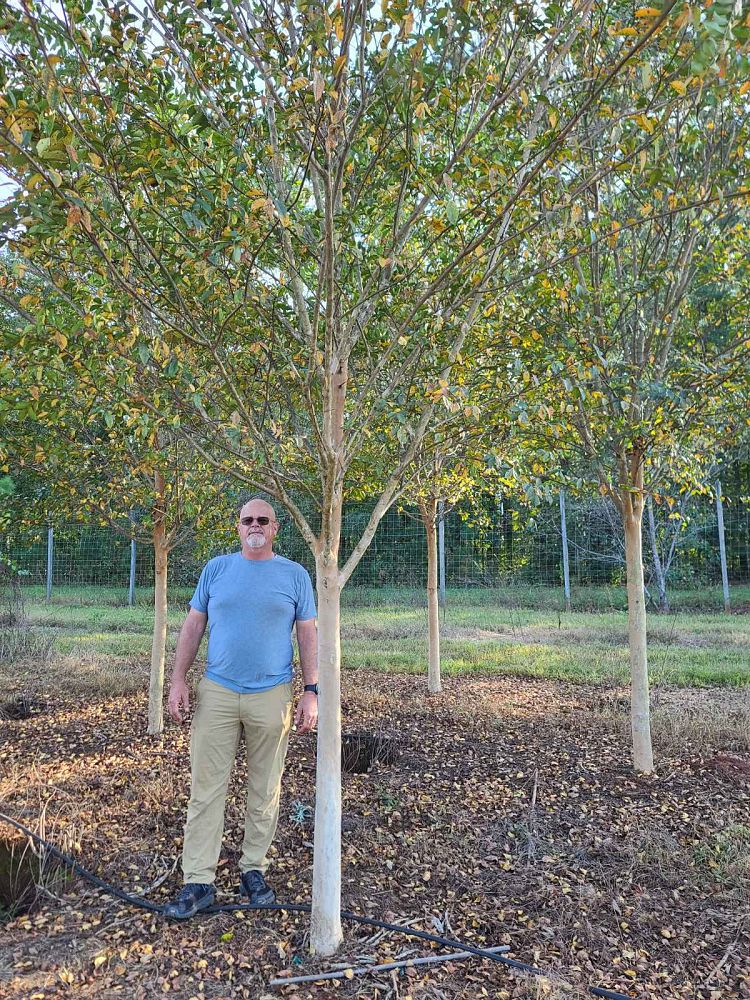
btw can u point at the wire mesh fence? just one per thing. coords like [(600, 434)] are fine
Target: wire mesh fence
[(494, 544)]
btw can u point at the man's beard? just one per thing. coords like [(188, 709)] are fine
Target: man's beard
[(256, 541)]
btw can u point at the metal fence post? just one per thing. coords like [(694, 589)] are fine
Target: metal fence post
[(441, 552), (722, 546), (565, 555), (50, 563)]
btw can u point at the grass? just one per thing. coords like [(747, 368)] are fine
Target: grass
[(482, 632), (590, 662), (544, 598)]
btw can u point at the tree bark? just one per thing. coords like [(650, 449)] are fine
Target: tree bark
[(159, 638), (325, 928), (428, 510), (632, 515)]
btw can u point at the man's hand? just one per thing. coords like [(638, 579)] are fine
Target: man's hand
[(306, 716), (178, 704)]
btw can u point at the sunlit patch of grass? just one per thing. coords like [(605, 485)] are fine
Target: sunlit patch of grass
[(120, 644), (104, 619), (590, 663)]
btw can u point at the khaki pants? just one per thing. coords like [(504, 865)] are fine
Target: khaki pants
[(220, 714)]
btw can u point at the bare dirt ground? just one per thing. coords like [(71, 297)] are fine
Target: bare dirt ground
[(511, 816)]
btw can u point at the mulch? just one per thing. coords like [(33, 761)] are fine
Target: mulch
[(510, 815)]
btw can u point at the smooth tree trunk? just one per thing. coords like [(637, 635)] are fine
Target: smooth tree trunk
[(325, 919), (325, 928), (632, 516), (159, 638), (428, 510)]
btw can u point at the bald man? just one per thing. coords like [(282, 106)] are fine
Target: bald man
[(250, 601)]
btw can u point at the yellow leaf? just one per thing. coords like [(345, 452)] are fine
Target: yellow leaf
[(95, 160), (348, 973), (745, 87), (680, 86), (647, 12), (646, 123), (318, 85), (407, 24), (60, 339), (628, 32), (56, 177), (258, 205), (339, 64), (99, 960)]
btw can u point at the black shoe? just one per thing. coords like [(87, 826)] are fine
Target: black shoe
[(257, 890), (194, 896)]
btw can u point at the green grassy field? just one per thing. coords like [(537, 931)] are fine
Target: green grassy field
[(590, 598), (482, 631)]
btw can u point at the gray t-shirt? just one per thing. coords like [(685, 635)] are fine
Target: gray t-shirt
[(252, 605)]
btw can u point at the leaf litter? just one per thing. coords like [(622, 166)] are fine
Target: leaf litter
[(511, 815)]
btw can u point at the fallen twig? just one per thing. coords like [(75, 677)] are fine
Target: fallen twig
[(365, 970)]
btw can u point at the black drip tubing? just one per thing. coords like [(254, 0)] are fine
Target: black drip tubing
[(146, 904)]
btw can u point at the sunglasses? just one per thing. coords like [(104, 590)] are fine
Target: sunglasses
[(262, 520)]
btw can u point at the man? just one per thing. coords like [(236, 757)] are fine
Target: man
[(250, 601)]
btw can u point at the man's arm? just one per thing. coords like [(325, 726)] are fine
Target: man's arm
[(306, 716), (188, 642)]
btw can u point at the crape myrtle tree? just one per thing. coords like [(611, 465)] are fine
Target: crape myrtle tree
[(98, 459), (454, 473), (288, 220), (648, 385)]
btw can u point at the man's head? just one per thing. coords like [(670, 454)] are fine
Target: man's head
[(257, 527)]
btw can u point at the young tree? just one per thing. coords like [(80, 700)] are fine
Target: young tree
[(648, 385), (100, 461), (436, 488), (289, 219)]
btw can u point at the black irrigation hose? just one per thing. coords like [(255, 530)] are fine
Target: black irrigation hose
[(146, 904)]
